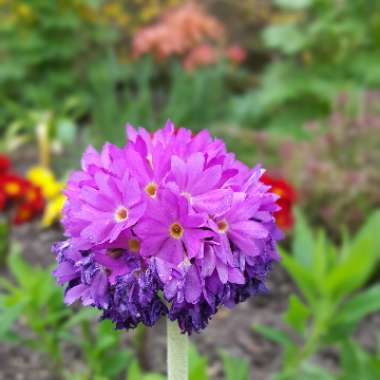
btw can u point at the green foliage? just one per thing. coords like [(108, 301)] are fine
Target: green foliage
[(321, 47), (330, 280), (34, 300), (101, 347), (197, 98), (135, 94), (336, 171), (136, 373), (235, 368), (198, 365), (48, 47)]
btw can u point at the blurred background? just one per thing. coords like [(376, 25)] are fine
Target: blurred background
[(293, 84)]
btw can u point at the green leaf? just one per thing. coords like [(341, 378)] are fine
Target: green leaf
[(83, 314), (8, 317), (320, 260), (357, 363), (20, 269), (198, 365), (297, 314), (303, 277), (234, 368), (310, 371), (153, 376), (135, 373), (116, 363), (359, 262), (303, 242), (274, 334), (366, 302), (66, 131), (286, 37)]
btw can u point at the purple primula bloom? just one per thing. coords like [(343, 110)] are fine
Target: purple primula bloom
[(169, 225), (171, 231)]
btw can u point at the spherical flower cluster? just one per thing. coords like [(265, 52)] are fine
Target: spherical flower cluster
[(20, 199), (169, 225), (288, 196)]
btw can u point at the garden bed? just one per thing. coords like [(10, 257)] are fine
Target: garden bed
[(230, 331)]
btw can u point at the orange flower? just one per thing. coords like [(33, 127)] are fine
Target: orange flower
[(177, 32)]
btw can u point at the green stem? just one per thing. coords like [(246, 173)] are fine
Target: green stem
[(311, 344), (178, 353)]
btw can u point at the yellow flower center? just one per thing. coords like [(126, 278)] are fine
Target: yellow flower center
[(121, 214), (278, 191), (134, 245), (12, 188), (115, 253), (176, 231), (222, 226), (24, 215), (151, 189)]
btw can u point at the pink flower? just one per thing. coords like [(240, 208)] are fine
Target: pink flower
[(236, 54), (201, 55)]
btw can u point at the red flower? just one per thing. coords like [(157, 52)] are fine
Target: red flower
[(33, 197), (12, 185), (5, 164), (288, 197), (16, 191), (24, 213)]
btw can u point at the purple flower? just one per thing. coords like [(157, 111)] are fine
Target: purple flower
[(171, 231), (169, 225)]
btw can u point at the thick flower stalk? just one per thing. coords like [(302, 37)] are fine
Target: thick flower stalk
[(169, 225)]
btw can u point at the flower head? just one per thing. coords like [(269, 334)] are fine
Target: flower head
[(19, 198), (51, 189), (288, 197), (170, 225)]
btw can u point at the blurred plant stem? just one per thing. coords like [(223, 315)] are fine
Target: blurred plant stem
[(177, 352), (5, 232), (42, 131), (311, 344)]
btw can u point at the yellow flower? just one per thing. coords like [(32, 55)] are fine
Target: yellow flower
[(52, 192), (45, 179), (24, 11), (53, 210)]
